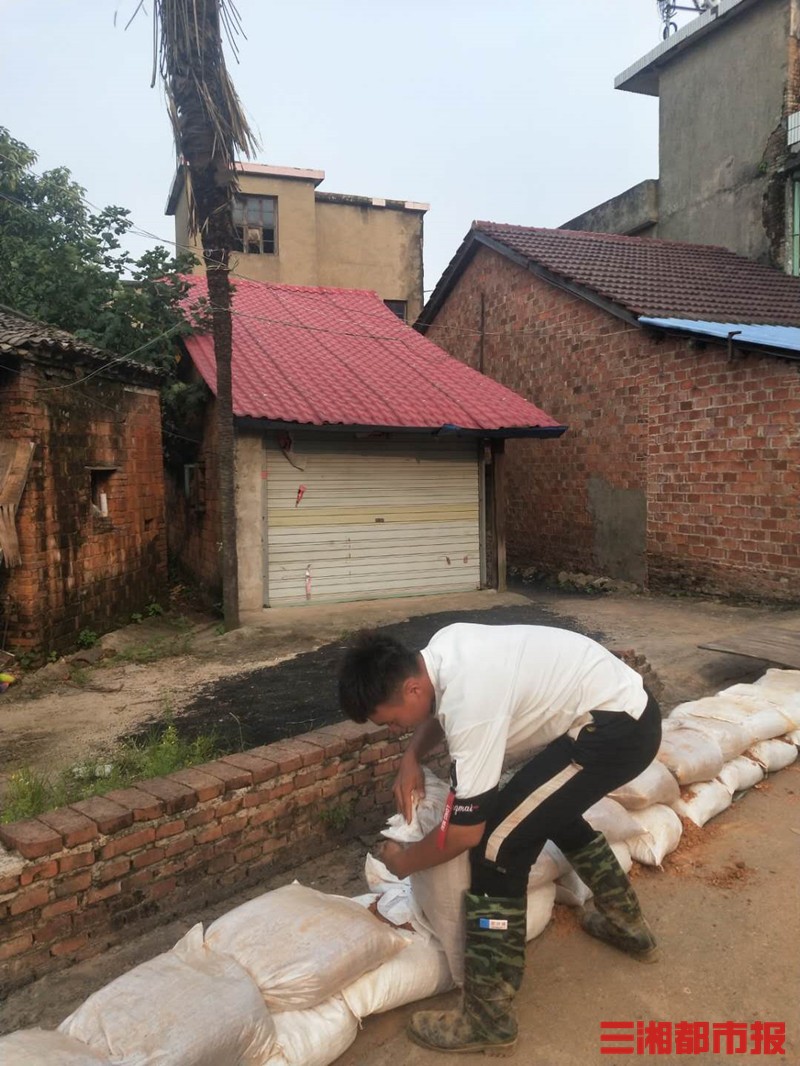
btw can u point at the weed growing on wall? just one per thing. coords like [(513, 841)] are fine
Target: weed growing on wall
[(29, 793)]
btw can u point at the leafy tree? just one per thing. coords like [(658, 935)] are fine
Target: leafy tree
[(64, 264)]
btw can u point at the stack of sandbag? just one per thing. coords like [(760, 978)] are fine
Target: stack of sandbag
[(264, 987), (712, 749)]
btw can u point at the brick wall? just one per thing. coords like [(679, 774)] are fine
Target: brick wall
[(706, 451), (77, 880), (195, 526), (80, 570)]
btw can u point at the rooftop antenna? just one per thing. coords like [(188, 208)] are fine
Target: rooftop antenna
[(667, 10)]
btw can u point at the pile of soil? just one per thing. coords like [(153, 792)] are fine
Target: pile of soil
[(271, 703)]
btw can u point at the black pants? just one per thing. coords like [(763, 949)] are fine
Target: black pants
[(546, 798)]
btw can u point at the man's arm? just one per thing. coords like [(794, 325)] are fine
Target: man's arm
[(402, 861), (409, 775)]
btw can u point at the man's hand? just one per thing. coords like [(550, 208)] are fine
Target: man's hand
[(408, 785), (388, 853)]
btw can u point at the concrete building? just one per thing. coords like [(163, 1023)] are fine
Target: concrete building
[(82, 522), (292, 233), (728, 86), (368, 462), (681, 467)]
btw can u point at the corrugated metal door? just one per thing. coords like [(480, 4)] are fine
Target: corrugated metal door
[(353, 519)]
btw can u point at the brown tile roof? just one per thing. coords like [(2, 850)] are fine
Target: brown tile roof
[(655, 278), (18, 333)]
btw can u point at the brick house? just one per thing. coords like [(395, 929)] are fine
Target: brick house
[(82, 525), (369, 463), (675, 367)]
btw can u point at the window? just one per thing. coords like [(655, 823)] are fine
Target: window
[(194, 485), (397, 307), (100, 487), (254, 222)]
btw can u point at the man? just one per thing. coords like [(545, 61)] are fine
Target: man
[(583, 724)]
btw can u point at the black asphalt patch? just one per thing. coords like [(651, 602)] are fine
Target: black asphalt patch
[(274, 702)]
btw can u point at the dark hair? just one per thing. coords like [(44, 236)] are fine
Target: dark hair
[(373, 669)]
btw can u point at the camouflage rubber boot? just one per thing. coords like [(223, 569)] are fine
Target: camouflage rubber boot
[(617, 917), (494, 962)]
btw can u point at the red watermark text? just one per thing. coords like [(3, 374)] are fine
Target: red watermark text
[(692, 1038)]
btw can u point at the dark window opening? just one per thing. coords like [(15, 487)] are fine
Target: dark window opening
[(254, 223), (398, 307), (194, 485)]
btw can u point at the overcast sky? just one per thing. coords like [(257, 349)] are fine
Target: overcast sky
[(499, 109)]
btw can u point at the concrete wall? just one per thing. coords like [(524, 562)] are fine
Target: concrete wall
[(77, 880), (632, 213), (330, 239), (679, 468), (720, 102), (360, 246), (80, 570)]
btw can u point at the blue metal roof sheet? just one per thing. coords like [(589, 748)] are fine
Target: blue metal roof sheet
[(785, 338)]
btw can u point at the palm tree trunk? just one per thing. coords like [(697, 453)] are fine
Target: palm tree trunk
[(208, 124)]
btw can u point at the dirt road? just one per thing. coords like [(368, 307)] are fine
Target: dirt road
[(725, 908)]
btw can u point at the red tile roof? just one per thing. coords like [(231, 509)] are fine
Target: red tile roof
[(319, 356), (659, 279)]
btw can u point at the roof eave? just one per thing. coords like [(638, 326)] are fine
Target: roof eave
[(642, 76), (250, 422)]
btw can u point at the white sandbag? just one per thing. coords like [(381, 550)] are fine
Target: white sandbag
[(759, 718), (188, 1006), (773, 754), (439, 891), (419, 971), (703, 801), (622, 851), (43, 1047), (301, 946), (611, 819), (780, 692), (740, 774), (313, 1037), (662, 834), (571, 890), (549, 865), (540, 910), (731, 737), (793, 737), (378, 876), (689, 755), (427, 810), (653, 785)]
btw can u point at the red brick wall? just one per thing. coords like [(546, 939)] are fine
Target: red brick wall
[(708, 446), (78, 570), (76, 880)]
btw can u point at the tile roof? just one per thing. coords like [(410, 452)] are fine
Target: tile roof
[(19, 333), (659, 279), (323, 356)]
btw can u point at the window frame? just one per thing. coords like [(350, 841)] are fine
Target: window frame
[(240, 203)]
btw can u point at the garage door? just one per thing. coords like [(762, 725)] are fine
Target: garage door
[(352, 519)]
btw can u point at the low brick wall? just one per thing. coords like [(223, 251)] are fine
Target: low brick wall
[(76, 880)]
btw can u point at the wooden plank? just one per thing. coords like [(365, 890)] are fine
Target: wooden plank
[(774, 644)]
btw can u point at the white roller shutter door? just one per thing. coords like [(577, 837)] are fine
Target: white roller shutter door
[(370, 518)]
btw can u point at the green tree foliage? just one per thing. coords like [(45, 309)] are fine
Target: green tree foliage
[(65, 265)]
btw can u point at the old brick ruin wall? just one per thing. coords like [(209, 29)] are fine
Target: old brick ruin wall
[(76, 880), (81, 570), (680, 467)]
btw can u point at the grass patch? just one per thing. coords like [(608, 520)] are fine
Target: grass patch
[(29, 792), (153, 650)]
